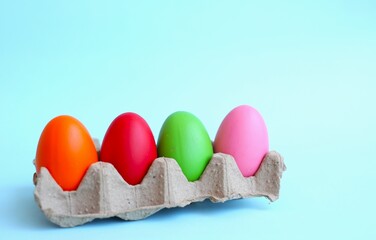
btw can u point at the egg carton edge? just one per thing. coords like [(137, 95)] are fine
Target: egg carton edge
[(103, 193)]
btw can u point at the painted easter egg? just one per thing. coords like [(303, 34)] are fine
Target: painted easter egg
[(66, 149), (184, 138), (130, 146), (243, 134)]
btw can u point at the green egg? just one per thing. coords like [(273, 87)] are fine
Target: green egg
[(184, 138)]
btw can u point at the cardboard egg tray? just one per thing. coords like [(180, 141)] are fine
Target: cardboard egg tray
[(103, 193)]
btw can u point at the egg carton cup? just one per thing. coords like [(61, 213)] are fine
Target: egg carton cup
[(103, 193)]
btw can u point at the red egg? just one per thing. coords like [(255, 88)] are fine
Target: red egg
[(130, 146)]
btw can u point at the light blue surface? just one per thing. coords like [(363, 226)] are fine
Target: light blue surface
[(309, 68)]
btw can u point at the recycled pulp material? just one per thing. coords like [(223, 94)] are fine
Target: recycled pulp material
[(103, 193)]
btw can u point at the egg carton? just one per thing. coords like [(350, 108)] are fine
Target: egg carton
[(103, 193)]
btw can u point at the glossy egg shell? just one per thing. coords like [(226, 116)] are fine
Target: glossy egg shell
[(130, 146), (184, 138), (243, 134), (66, 149)]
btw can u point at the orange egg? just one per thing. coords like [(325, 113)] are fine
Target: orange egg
[(66, 149)]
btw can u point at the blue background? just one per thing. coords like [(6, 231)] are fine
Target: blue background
[(308, 67)]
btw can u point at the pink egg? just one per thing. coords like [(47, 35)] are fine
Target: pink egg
[(243, 135)]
